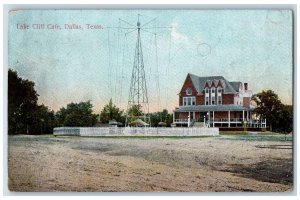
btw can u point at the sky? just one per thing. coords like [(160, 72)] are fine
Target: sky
[(73, 65)]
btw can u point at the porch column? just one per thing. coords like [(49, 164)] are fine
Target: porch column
[(228, 118), (194, 115), (174, 117), (243, 115), (189, 119), (247, 115), (213, 118)]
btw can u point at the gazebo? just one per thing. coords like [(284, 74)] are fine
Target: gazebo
[(138, 123)]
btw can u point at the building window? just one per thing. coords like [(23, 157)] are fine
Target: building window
[(212, 96), (189, 101), (219, 100), (206, 101), (188, 91), (213, 100), (212, 90), (219, 90), (206, 91), (207, 96)]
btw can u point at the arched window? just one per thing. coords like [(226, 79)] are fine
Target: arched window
[(188, 91)]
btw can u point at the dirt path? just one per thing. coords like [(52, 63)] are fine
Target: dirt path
[(223, 164)]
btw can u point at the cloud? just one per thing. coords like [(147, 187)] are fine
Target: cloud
[(176, 35)]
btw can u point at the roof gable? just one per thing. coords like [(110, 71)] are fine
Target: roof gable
[(206, 85), (195, 81), (186, 81), (201, 82), (236, 85), (220, 84)]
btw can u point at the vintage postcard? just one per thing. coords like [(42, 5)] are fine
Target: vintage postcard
[(165, 100)]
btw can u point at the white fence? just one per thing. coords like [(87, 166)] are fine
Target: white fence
[(135, 131)]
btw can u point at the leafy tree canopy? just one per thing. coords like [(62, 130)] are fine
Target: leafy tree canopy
[(77, 114), (278, 116), (25, 116), (163, 116), (110, 112), (135, 110)]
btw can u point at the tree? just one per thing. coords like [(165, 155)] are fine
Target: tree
[(22, 101), (135, 110), (163, 116), (285, 122), (110, 112), (76, 114), (24, 113), (269, 107), (42, 120)]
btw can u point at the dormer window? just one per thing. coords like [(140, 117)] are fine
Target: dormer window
[(219, 90), (206, 90), (212, 96), (219, 97), (188, 91), (207, 96)]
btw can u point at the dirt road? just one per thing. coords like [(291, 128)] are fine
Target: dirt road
[(211, 164)]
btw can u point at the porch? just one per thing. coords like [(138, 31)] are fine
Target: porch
[(233, 122), (217, 116)]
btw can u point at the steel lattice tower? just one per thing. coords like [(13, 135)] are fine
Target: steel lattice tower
[(138, 87)]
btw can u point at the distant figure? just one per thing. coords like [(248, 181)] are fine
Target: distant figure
[(208, 123)]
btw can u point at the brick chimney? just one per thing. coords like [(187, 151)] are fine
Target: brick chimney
[(246, 86)]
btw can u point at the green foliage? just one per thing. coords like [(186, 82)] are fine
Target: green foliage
[(110, 112), (279, 117), (163, 116), (77, 114), (284, 122), (135, 110), (24, 114), (42, 120)]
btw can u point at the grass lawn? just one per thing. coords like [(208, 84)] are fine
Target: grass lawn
[(233, 133)]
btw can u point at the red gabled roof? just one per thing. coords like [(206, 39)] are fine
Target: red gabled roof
[(206, 85), (220, 84), (201, 83), (188, 78)]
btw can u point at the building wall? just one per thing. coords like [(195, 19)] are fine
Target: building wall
[(183, 115), (224, 115), (227, 99), (217, 114), (200, 99), (187, 84), (246, 102)]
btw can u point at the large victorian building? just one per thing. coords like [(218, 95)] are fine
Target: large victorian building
[(215, 101)]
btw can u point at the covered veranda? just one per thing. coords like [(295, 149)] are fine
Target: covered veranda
[(217, 116)]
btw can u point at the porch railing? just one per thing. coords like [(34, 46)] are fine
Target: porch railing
[(181, 120), (249, 123)]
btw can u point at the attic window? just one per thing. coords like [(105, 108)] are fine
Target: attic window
[(188, 91), (219, 90)]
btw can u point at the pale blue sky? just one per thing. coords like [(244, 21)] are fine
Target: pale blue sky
[(253, 46)]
